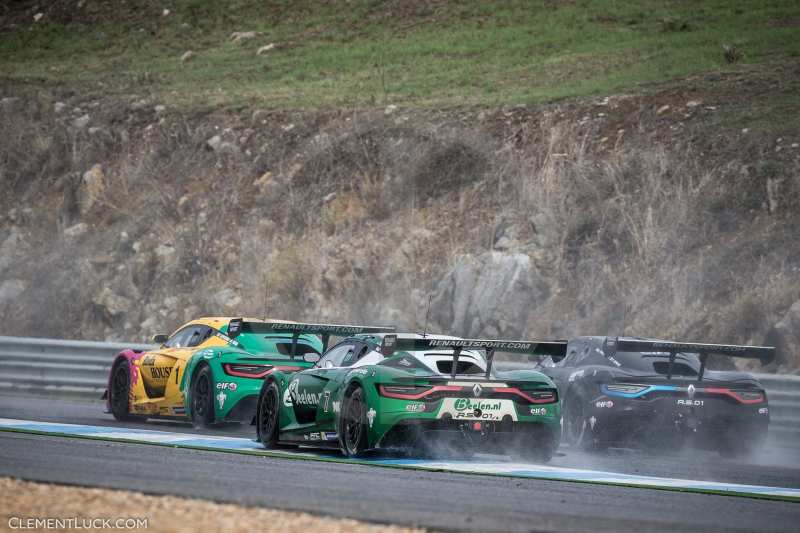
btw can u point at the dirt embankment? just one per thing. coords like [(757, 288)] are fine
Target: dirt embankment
[(70, 508), (669, 214)]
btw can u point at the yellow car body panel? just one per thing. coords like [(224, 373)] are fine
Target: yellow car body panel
[(157, 390)]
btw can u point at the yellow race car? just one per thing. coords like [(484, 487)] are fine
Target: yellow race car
[(211, 369)]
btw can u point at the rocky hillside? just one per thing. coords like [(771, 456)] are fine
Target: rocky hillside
[(670, 210), (631, 214)]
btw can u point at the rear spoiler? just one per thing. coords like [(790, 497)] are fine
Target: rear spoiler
[(238, 326), (612, 345), (555, 348)]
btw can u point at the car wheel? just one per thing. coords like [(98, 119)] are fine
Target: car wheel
[(579, 430), (202, 398), (353, 423), (267, 415), (120, 391)]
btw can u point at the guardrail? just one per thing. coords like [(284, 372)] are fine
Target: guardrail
[(50, 367), (79, 370)]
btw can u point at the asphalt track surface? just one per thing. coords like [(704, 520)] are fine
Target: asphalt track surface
[(438, 500)]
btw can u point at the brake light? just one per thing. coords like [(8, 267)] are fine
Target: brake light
[(549, 396), (537, 396), (747, 397), (247, 370), (412, 392)]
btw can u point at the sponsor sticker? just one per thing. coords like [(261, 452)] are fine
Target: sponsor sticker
[(539, 411), (160, 372), (415, 407), (604, 404), (763, 410), (474, 409), (221, 398), (291, 390), (307, 398), (231, 386), (371, 416), (477, 344), (329, 435)]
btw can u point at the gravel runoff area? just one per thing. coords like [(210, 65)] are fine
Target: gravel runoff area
[(23, 500)]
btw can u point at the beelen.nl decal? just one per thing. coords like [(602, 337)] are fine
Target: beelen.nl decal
[(471, 409), (475, 466)]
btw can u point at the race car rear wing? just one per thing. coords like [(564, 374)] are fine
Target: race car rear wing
[(238, 326), (765, 354), (554, 348)]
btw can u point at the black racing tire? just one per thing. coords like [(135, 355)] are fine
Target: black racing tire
[(202, 398), (268, 415), (578, 430), (119, 392), (353, 423)]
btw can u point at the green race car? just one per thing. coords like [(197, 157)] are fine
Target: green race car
[(429, 395), (211, 369)]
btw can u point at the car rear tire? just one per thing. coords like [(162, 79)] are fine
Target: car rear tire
[(353, 423), (268, 415), (579, 431), (202, 398), (120, 391)]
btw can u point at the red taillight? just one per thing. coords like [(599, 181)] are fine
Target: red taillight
[(247, 370), (289, 368), (746, 397), (538, 396), (411, 392)]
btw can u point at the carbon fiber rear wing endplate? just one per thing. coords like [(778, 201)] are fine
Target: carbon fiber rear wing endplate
[(612, 345), (238, 326), (555, 348)]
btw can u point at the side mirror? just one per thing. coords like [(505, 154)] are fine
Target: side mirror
[(159, 339), (311, 357)]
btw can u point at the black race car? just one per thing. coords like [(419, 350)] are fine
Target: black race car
[(639, 392)]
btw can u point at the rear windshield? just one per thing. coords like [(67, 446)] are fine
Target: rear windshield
[(658, 362), (273, 344)]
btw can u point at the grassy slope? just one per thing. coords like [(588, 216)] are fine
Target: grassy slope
[(403, 51)]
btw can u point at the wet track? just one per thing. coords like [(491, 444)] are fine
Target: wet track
[(435, 499)]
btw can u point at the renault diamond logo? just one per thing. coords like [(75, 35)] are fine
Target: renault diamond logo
[(690, 391), (477, 389)]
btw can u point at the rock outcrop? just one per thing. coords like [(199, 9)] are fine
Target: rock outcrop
[(491, 294)]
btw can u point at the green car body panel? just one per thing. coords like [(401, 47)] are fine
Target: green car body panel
[(312, 401), (235, 396), (277, 347)]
